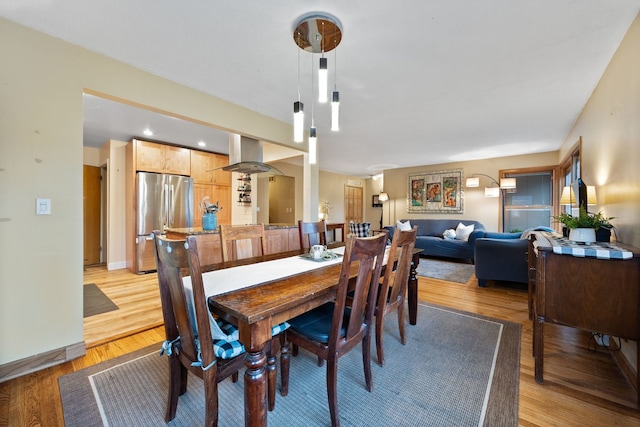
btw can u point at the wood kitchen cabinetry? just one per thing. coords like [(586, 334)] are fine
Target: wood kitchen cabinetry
[(160, 158), (202, 165), (215, 184)]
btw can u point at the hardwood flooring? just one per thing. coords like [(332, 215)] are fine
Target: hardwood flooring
[(581, 388)]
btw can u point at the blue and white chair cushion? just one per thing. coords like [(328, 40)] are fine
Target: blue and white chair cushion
[(359, 229)]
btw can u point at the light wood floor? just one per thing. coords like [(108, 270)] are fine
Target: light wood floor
[(581, 388)]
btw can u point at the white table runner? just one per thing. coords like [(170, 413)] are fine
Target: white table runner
[(227, 280)]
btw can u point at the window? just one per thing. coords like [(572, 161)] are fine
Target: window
[(530, 204)]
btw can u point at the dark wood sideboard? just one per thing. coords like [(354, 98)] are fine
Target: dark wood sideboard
[(596, 295)]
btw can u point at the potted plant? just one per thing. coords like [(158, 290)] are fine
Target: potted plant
[(583, 228)]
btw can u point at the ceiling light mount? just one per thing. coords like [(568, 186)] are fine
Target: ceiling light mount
[(317, 32)]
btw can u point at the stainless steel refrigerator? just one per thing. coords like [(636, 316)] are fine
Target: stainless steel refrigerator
[(163, 201)]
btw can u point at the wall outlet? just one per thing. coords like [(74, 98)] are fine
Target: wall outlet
[(43, 206)]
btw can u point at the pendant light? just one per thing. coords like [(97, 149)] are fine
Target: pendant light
[(298, 113), (322, 72), (317, 33), (335, 96), (312, 130)]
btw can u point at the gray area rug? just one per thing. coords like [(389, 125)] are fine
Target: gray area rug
[(457, 369), (95, 301), (445, 270)]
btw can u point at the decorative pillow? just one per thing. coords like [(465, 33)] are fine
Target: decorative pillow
[(449, 234), (403, 226), (359, 229), (463, 231)]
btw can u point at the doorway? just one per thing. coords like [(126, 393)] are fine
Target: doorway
[(282, 200), (353, 203), (92, 207)]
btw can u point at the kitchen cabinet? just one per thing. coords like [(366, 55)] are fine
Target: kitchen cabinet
[(160, 158), (202, 164), (216, 193)]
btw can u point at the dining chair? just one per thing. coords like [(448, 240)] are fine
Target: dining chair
[(312, 233), (333, 329), (392, 292), (239, 241), (247, 241), (213, 363)]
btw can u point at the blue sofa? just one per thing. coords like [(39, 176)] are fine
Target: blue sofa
[(431, 241), (503, 257)]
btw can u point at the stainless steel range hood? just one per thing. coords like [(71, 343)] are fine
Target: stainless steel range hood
[(245, 156)]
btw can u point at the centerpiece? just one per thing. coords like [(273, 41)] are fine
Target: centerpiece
[(585, 227), (209, 214)]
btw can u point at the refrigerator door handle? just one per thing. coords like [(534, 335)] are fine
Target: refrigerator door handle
[(165, 214), (171, 207)]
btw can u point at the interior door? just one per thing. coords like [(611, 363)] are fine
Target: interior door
[(91, 214), (353, 203)]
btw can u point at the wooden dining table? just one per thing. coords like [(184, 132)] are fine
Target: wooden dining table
[(257, 308)]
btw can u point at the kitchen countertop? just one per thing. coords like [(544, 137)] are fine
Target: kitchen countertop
[(193, 231)]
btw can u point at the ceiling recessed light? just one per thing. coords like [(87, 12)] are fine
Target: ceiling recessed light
[(147, 132), (202, 144)]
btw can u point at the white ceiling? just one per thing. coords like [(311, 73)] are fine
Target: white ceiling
[(421, 81)]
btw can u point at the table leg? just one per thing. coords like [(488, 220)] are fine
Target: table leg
[(538, 347), (255, 388), (412, 298)]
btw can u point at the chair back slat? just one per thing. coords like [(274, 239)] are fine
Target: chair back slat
[(312, 233), (365, 254), (245, 241), (175, 259), (400, 255)]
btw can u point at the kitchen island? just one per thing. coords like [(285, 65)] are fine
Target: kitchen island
[(280, 238)]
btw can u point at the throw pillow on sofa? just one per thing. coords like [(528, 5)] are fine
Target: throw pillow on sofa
[(449, 234), (403, 226), (463, 231)]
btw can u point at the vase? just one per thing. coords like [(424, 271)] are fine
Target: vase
[(209, 221), (582, 235)]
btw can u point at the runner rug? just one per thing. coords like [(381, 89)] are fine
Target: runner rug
[(457, 369)]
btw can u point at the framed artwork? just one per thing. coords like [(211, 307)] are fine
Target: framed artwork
[(437, 192), (375, 201)]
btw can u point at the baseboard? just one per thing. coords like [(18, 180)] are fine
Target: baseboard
[(116, 265), (626, 368), (41, 361)]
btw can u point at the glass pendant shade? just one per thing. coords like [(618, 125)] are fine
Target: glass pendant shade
[(322, 80), (312, 146), (298, 121), (335, 111)]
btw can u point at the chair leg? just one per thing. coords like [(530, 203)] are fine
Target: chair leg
[(285, 361), (403, 338), (211, 397), (234, 377), (320, 361), (366, 359), (271, 374), (332, 390), (294, 350), (175, 383), (379, 336)]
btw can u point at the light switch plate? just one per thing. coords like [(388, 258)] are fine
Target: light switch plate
[(43, 206)]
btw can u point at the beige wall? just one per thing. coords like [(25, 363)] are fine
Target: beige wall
[(43, 79), (610, 130), (476, 206)]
